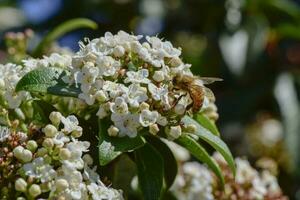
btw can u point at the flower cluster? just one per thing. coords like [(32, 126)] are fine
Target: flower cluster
[(132, 82), (196, 181), (248, 183), (52, 163), (193, 182)]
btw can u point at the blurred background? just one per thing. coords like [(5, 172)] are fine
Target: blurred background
[(254, 45)]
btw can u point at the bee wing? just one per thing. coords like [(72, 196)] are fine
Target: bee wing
[(209, 80)]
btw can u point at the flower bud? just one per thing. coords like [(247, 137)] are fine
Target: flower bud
[(18, 151), (191, 128), (48, 143), (144, 106), (34, 190), (26, 155), (76, 133), (179, 109), (119, 51), (87, 158), (113, 131), (20, 185), (100, 96), (42, 151), (50, 130), (153, 129), (64, 154), (31, 145), (21, 198), (175, 62), (61, 185), (55, 117), (158, 76), (174, 132)]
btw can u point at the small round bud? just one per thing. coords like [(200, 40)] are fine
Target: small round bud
[(174, 132), (119, 51), (158, 76), (48, 143), (76, 134), (87, 158), (26, 155), (61, 185), (102, 113), (31, 145), (18, 151), (42, 151), (21, 198), (55, 117), (35, 190), (64, 154), (50, 130), (175, 62), (153, 129), (113, 131), (100, 96), (179, 109), (144, 106), (191, 128), (20, 185)]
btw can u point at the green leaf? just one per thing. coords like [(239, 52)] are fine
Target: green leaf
[(112, 147), (213, 140), (170, 163), (200, 153), (47, 80), (207, 123), (61, 30), (150, 168)]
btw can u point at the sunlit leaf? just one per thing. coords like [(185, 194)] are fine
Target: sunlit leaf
[(207, 123), (213, 140), (47, 80)]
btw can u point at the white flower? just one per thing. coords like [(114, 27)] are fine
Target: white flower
[(244, 172), (60, 139), (127, 124), (140, 76), (114, 89), (76, 148), (136, 95), (159, 76), (77, 189), (107, 66), (70, 124), (158, 93), (148, 117), (40, 170), (119, 106), (193, 182), (100, 192), (102, 112)]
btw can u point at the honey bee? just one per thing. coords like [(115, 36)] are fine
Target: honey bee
[(194, 86)]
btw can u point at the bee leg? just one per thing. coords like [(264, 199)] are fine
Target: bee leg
[(177, 100)]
